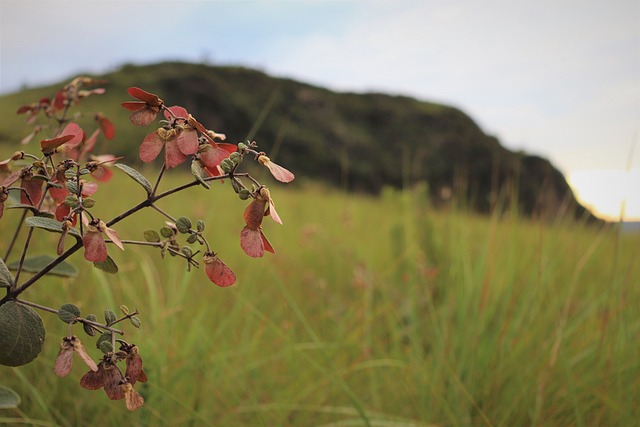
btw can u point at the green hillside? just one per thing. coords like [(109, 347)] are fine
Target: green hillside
[(360, 142)]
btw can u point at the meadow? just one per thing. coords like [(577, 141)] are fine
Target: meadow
[(375, 311)]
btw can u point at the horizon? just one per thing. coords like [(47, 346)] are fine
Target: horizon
[(561, 81)]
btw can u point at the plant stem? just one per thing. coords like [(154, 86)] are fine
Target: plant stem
[(15, 235), (79, 319)]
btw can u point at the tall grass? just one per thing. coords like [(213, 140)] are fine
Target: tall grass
[(374, 311)]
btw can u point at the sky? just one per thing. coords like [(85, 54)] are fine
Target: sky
[(555, 78)]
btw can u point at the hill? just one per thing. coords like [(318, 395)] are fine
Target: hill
[(361, 142)]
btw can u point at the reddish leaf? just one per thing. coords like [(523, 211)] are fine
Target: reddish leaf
[(145, 96), (213, 155), (177, 112), (266, 243), (144, 116), (79, 348), (90, 142), (112, 378), (64, 360), (151, 147), (134, 365), (254, 213), (272, 212), (172, 154), (48, 145), (62, 211), (107, 127), (132, 399), (134, 105), (251, 242), (217, 271), (93, 380), (59, 100), (188, 141), (95, 248), (33, 187), (278, 172), (74, 130), (111, 234)]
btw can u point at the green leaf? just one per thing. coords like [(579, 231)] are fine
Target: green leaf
[(21, 334), (199, 173), (166, 232), (200, 225), (109, 316), (105, 337), (108, 265), (68, 313), (136, 176), (6, 278), (106, 347), (135, 321), (90, 330), (72, 186), (49, 224), (88, 202), (36, 263), (124, 309), (151, 236), (192, 238), (183, 224), (9, 399)]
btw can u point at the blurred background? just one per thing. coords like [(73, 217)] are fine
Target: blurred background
[(457, 247)]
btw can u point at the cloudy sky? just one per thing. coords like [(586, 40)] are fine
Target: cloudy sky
[(557, 78)]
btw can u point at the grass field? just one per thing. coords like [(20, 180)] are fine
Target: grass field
[(374, 311)]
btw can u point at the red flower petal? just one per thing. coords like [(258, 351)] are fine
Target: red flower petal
[(93, 380), (251, 242), (218, 272), (151, 147)]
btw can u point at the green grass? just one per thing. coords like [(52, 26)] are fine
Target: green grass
[(374, 311)]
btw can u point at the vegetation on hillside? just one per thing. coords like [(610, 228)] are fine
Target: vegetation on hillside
[(375, 311), (360, 142)]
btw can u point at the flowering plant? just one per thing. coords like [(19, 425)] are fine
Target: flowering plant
[(53, 190)]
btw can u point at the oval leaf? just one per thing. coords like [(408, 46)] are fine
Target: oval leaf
[(151, 236), (183, 224), (21, 334), (49, 224), (136, 176), (6, 278), (9, 399), (108, 265), (36, 263), (68, 313)]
